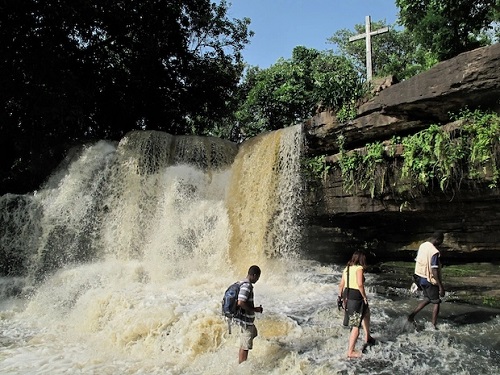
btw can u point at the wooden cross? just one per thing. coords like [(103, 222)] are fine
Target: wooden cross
[(368, 36)]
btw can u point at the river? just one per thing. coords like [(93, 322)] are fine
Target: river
[(122, 259)]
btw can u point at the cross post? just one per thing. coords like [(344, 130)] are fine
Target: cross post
[(368, 37)]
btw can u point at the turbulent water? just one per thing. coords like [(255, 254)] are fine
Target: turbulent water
[(123, 257)]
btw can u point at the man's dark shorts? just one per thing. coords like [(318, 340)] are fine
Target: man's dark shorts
[(431, 293)]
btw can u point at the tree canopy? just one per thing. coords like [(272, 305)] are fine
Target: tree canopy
[(84, 70), (292, 90), (449, 27), (77, 70), (393, 53)]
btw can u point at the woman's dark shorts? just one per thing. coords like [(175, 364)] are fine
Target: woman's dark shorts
[(356, 309)]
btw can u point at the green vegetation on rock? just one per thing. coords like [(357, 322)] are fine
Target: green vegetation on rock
[(444, 157)]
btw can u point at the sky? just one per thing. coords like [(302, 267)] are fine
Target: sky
[(281, 25)]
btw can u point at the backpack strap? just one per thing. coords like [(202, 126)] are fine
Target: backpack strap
[(347, 281), (346, 290)]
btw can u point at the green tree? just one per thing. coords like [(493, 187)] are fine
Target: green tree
[(449, 27), (291, 90), (496, 26), (73, 71), (393, 53)]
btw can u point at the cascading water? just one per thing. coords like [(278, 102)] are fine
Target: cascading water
[(119, 263)]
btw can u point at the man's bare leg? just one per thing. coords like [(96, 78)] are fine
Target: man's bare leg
[(411, 317), (435, 313)]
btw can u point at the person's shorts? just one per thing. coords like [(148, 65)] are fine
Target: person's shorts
[(356, 309), (431, 293), (247, 334)]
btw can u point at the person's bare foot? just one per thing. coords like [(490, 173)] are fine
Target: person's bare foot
[(411, 319), (354, 354)]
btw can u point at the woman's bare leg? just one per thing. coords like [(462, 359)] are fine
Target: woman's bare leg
[(365, 323), (351, 352)]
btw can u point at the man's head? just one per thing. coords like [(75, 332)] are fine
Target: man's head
[(253, 274), (437, 238)]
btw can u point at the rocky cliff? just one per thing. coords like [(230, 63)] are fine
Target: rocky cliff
[(391, 227)]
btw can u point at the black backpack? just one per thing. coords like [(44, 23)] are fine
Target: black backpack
[(230, 307)]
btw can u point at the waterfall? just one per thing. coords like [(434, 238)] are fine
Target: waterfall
[(265, 197), (158, 198)]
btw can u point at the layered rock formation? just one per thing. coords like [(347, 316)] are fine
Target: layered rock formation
[(391, 227)]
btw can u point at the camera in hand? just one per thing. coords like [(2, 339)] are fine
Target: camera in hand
[(340, 303)]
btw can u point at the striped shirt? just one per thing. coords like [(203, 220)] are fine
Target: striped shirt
[(246, 294)]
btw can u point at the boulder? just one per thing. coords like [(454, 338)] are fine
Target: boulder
[(471, 79)]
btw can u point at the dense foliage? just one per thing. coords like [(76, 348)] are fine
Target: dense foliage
[(449, 27), (292, 90), (77, 70), (436, 157), (84, 70)]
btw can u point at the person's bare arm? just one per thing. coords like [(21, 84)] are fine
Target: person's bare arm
[(341, 285), (361, 284), (248, 307), (436, 272)]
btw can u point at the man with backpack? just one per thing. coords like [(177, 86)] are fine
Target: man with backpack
[(246, 318)]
